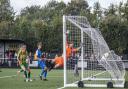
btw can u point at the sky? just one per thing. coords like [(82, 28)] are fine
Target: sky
[(20, 4)]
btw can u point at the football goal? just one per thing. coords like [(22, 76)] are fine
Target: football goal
[(88, 61)]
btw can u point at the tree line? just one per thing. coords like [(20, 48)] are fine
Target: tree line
[(44, 24)]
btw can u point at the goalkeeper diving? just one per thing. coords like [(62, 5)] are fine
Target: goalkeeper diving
[(71, 58)]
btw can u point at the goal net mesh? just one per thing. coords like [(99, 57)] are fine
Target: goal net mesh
[(99, 62)]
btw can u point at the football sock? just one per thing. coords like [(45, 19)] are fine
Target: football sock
[(45, 74), (25, 73)]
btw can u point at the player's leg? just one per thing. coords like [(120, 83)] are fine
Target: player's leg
[(40, 66), (25, 71), (57, 66), (50, 65), (45, 73), (29, 75), (19, 71), (41, 74), (76, 73), (44, 70), (29, 72)]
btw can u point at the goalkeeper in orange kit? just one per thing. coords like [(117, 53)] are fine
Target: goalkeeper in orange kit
[(71, 57)]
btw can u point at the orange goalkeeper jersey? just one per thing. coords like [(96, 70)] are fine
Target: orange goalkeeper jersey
[(70, 51), (59, 60)]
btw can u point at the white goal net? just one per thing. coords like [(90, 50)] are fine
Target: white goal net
[(87, 56)]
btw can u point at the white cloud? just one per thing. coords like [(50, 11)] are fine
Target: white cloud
[(20, 4)]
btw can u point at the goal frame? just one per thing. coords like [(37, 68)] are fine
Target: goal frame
[(82, 64)]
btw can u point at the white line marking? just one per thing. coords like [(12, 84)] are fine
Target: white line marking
[(91, 76), (7, 76), (99, 73), (83, 79)]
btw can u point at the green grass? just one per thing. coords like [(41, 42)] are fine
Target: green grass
[(55, 80)]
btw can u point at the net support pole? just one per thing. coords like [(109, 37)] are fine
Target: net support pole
[(64, 48), (82, 58)]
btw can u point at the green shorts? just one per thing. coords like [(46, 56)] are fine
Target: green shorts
[(24, 65)]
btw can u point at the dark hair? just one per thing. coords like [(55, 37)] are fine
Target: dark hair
[(70, 43), (59, 54)]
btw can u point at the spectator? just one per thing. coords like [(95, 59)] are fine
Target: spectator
[(0, 66), (30, 57), (10, 59), (15, 57)]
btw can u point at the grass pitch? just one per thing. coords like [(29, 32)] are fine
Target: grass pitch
[(10, 80)]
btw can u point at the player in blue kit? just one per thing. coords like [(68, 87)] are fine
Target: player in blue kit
[(41, 62)]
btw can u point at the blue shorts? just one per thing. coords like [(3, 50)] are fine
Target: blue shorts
[(41, 64)]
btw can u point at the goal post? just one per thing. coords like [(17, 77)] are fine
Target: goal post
[(64, 48), (87, 57)]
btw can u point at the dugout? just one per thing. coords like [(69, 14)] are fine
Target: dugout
[(8, 51)]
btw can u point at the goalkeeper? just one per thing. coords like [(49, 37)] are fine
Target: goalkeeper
[(71, 51), (58, 62), (72, 56), (23, 61)]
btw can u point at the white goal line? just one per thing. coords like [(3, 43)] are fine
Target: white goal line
[(83, 79), (91, 76)]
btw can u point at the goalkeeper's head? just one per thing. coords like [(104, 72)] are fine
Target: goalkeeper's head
[(71, 44)]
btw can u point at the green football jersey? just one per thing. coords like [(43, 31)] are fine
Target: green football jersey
[(22, 56)]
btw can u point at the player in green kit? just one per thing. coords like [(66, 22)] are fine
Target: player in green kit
[(24, 63)]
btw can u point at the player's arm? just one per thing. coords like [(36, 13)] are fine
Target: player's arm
[(18, 58), (77, 49), (27, 59), (37, 55)]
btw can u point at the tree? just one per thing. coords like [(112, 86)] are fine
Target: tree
[(114, 29), (6, 18), (44, 24), (76, 6), (97, 15)]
